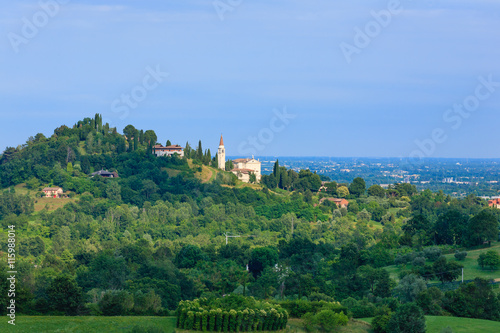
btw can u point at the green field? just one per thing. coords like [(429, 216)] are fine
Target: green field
[(471, 268), (354, 326), (30, 324), (458, 325)]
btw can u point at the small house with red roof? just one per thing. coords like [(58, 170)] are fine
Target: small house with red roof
[(159, 150), (341, 203), (495, 203)]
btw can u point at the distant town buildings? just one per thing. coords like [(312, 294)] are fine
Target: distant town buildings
[(159, 150), (53, 192)]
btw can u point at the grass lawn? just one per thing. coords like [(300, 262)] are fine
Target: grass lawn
[(471, 268), (40, 203), (458, 325), (295, 326), (31, 324)]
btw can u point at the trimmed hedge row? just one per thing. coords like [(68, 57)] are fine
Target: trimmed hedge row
[(191, 316)]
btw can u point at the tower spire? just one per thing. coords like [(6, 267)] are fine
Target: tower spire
[(222, 155)]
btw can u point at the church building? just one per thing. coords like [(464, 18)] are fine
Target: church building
[(243, 167)]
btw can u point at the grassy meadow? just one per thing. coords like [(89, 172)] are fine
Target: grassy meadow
[(458, 325), (40, 324), (471, 268)]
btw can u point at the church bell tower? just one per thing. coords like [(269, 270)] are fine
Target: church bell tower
[(222, 155)]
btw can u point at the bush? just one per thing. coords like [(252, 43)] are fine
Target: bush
[(408, 318), (460, 255), (419, 261), (206, 315), (116, 303), (432, 253), (380, 323), (326, 320), (297, 308), (490, 259)]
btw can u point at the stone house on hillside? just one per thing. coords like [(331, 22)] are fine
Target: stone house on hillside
[(53, 192)]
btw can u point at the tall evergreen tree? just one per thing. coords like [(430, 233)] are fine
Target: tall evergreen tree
[(276, 173), (199, 152), (187, 150), (208, 157), (136, 142), (215, 161), (141, 137)]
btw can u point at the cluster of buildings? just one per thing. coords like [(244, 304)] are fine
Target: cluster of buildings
[(243, 167)]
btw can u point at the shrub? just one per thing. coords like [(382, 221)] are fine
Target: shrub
[(419, 261), (432, 253), (225, 322), (408, 318), (116, 303), (201, 314), (460, 255), (490, 259), (326, 320), (380, 324), (204, 321), (218, 320)]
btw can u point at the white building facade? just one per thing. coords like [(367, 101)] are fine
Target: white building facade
[(159, 150)]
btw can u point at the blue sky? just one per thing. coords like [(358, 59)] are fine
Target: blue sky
[(232, 71)]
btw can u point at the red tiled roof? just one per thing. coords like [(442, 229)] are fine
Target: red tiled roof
[(172, 147), (244, 160), (221, 143)]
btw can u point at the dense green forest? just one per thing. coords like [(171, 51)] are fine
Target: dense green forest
[(156, 235)]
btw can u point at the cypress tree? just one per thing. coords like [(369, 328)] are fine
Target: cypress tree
[(199, 152), (276, 172), (141, 137), (187, 150)]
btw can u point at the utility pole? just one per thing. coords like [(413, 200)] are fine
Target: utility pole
[(462, 275)]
